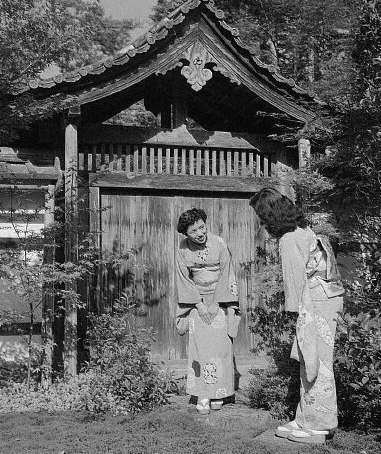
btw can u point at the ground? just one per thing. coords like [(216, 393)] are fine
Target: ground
[(176, 428)]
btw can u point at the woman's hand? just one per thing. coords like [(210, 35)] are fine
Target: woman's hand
[(204, 314), (213, 311)]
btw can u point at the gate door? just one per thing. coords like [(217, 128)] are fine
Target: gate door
[(145, 220)]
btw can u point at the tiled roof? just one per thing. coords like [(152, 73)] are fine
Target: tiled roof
[(159, 32), (14, 169)]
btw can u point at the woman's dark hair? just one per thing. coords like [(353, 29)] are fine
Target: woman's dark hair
[(188, 218), (279, 214)]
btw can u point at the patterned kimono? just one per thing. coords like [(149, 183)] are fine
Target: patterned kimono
[(204, 273), (313, 289)]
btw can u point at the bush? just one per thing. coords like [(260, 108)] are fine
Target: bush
[(358, 370), (120, 377), (123, 380), (358, 345), (275, 392), (60, 396)]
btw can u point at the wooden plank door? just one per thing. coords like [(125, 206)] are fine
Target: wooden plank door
[(147, 223)]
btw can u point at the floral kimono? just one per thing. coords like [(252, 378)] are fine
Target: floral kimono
[(204, 273), (313, 289)]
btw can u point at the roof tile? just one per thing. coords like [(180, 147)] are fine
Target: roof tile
[(159, 32)]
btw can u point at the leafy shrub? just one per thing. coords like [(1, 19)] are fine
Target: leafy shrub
[(123, 379), (120, 377), (276, 388), (274, 391), (358, 370), (358, 345), (60, 396)]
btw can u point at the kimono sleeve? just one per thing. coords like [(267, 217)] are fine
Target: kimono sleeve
[(226, 289), (187, 293), (226, 292), (294, 272)]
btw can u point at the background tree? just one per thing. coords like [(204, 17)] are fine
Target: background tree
[(35, 34), (308, 40)]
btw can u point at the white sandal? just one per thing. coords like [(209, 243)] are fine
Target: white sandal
[(203, 407), (308, 436), (284, 430), (216, 404)]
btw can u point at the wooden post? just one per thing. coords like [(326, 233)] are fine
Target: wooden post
[(48, 294), (71, 237), (265, 166), (304, 152)]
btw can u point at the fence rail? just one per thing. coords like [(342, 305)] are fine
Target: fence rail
[(142, 159)]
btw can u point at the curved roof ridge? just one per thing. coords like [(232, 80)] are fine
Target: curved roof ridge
[(158, 32)]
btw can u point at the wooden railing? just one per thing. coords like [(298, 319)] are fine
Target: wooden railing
[(142, 159)]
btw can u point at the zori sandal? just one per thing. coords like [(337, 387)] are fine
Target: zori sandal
[(203, 407), (285, 430), (216, 404), (308, 436)]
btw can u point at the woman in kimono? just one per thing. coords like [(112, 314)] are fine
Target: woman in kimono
[(207, 309), (313, 290)]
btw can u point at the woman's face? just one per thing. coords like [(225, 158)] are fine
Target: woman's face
[(197, 232)]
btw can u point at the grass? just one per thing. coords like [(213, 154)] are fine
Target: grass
[(175, 429)]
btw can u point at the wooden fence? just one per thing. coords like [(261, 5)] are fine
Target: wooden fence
[(142, 159)]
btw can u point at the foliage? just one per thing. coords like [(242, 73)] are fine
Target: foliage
[(25, 270), (16, 365), (124, 378), (308, 40), (62, 395), (119, 379), (274, 391), (38, 34), (355, 169), (358, 346), (135, 115)]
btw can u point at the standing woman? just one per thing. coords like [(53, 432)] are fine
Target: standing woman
[(208, 309), (312, 289)]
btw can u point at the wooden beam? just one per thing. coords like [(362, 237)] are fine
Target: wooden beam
[(24, 186), (181, 136), (178, 182), (71, 242)]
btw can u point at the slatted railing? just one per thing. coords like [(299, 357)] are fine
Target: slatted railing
[(143, 159)]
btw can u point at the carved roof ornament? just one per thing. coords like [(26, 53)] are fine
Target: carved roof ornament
[(195, 73)]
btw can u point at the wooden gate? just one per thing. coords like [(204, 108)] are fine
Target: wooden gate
[(145, 220)]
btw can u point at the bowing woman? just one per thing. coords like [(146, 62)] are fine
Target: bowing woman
[(313, 290), (207, 309)]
